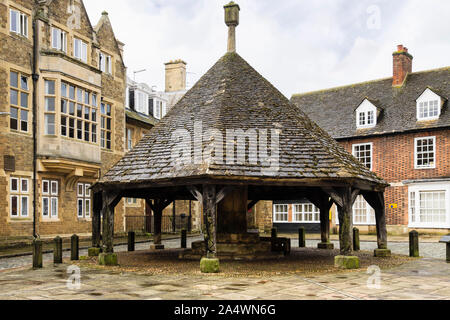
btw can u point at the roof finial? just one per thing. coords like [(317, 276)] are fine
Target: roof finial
[(232, 21)]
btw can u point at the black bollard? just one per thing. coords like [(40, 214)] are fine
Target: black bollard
[(74, 247), (301, 237), (274, 233), (356, 246), (57, 252), (131, 240), (414, 244), (37, 254), (183, 239)]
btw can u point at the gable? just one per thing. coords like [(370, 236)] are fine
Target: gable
[(72, 14), (366, 105), (428, 95), (106, 37)]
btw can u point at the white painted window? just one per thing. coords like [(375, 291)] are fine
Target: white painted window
[(363, 213), (132, 201), (50, 194), (366, 115), (129, 139), (59, 39), (425, 153), (19, 22), (83, 200), (19, 197), (363, 152), (306, 213), (429, 206), (428, 106), (80, 49), (280, 213), (105, 63)]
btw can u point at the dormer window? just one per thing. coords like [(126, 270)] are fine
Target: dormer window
[(366, 115), (428, 106)]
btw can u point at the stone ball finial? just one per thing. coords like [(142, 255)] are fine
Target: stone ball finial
[(232, 14)]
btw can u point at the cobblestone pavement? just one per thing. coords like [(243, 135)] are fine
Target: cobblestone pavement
[(8, 263), (421, 279)]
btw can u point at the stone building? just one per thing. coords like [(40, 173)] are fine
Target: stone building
[(63, 120), (399, 128)]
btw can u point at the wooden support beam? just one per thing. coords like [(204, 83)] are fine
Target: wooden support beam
[(209, 197), (96, 220), (344, 199), (322, 201), (109, 202), (251, 204), (376, 201), (158, 206)]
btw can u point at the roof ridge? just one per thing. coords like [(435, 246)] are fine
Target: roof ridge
[(364, 82)]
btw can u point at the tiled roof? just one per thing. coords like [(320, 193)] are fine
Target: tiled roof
[(130, 114), (232, 95), (334, 109)]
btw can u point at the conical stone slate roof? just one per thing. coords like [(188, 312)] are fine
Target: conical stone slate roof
[(233, 95)]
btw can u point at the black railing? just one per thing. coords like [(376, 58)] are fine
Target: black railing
[(145, 224)]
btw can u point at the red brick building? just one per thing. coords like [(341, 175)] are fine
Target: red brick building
[(399, 127)]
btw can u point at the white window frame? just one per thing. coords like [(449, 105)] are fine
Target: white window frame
[(315, 212), (61, 39), (21, 20), (275, 212), (84, 197), (364, 109), (416, 166), (52, 198), (369, 212), (428, 97), (81, 53), (428, 187), (130, 138), (19, 194), (354, 146)]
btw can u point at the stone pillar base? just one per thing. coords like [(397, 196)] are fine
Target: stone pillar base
[(107, 259), (346, 262), (382, 253), (325, 245), (94, 252), (208, 265), (157, 247)]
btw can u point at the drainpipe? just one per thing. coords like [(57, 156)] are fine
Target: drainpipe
[(35, 77)]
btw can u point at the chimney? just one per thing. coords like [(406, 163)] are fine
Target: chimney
[(175, 76), (402, 65), (232, 21)]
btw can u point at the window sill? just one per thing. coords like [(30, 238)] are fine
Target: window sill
[(19, 219), (428, 226), (45, 220), (22, 133), (424, 168), (84, 219)]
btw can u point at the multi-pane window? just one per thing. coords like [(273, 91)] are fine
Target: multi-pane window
[(83, 200), (159, 109), (363, 213), (428, 207), (18, 22), (428, 110), (131, 201), (105, 63), (59, 39), (306, 212), (425, 152), (19, 101), (366, 118), (129, 138), (106, 125), (78, 113), (19, 197), (363, 152), (50, 107), (280, 213), (50, 193), (80, 49)]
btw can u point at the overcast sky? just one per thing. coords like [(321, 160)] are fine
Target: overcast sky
[(298, 45)]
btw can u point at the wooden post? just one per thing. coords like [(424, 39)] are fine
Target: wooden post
[(356, 244), (414, 244), (301, 237), (37, 254), (57, 252), (273, 233), (96, 220), (209, 213), (345, 198), (322, 201), (158, 221), (74, 247), (190, 217), (131, 241), (174, 216), (183, 238)]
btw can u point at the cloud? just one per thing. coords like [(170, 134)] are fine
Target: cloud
[(298, 45)]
